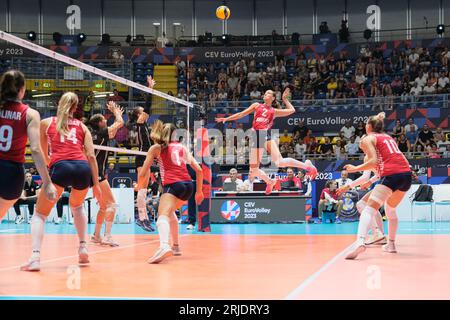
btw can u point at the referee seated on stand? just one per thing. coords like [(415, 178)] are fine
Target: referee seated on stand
[(28, 197), (329, 200)]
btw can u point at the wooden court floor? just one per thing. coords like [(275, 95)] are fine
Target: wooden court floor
[(230, 266)]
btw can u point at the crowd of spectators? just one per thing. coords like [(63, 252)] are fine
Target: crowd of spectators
[(403, 73), (300, 144)]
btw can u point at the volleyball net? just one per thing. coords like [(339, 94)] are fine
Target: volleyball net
[(201, 135)]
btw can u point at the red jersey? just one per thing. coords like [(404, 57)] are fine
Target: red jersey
[(390, 160), (297, 182), (69, 147), (13, 132), (332, 194), (172, 164), (263, 117)]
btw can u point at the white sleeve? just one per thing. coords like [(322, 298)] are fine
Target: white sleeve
[(308, 190), (362, 179), (329, 198)]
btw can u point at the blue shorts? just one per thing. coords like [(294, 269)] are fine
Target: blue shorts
[(399, 181), (71, 173), (181, 190), (13, 177)]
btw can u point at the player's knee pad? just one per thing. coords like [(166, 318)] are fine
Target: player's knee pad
[(360, 205), (380, 194), (77, 210), (391, 213)]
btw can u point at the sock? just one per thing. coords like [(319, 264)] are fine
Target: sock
[(80, 222), (174, 228), (37, 234), (163, 229), (289, 162), (375, 224), (392, 222), (379, 221), (364, 223), (140, 201), (99, 222)]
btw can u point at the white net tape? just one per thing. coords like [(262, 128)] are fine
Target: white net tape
[(57, 56)]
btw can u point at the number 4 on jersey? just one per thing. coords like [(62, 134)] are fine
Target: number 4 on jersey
[(71, 136)]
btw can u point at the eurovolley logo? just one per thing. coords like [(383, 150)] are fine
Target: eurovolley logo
[(230, 210)]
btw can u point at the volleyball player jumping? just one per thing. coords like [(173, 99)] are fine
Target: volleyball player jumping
[(264, 115), (72, 162), (101, 134), (138, 118), (172, 158), (17, 123), (383, 156)]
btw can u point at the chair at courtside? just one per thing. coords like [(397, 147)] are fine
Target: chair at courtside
[(415, 204), (444, 206)]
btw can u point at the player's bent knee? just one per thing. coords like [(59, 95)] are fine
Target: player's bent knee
[(379, 194)]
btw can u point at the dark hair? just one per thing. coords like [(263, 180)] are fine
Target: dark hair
[(377, 122), (10, 84), (95, 120), (133, 115), (329, 183)]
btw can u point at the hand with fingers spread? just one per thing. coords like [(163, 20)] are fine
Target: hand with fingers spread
[(286, 94), (151, 82)]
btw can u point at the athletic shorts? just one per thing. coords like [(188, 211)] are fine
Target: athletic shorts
[(181, 190), (399, 181), (260, 138), (13, 175), (71, 173)]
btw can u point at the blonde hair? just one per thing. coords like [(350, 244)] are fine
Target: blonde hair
[(65, 105), (161, 133)]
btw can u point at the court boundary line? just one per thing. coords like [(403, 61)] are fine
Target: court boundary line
[(305, 283), (90, 253)]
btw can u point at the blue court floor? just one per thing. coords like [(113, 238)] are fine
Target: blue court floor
[(346, 228)]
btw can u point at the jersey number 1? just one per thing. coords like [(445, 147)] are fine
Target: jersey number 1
[(392, 146), (71, 136)]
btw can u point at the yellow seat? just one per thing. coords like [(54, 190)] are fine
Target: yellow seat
[(334, 140), (124, 160), (320, 140)]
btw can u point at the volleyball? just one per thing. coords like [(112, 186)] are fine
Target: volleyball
[(223, 13)]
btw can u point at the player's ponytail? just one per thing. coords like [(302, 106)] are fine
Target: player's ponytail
[(10, 84), (377, 122), (66, 107), (161, 133)]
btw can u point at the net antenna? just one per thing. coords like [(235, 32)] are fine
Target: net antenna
[(60, 57)]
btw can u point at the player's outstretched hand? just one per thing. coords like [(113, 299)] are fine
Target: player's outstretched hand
[(221, 120), (151, 82), (350, 168), (342, 190), (286, 93)]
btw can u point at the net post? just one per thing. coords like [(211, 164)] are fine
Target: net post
[(205, 207)]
